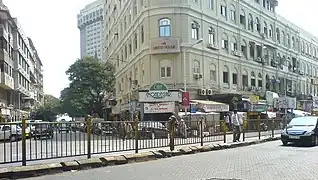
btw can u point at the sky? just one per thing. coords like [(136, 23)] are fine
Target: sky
[(52, 25)]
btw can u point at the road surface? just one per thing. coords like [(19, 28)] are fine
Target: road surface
[(75, 144), (264, 161)]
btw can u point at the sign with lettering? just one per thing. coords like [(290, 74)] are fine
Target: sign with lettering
[(165, 45), (164, 107), (159, 92), (285, 103)]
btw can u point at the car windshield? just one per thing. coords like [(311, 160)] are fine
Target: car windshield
[(304, 121)]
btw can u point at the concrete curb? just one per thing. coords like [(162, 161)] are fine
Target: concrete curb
[(80, 164)]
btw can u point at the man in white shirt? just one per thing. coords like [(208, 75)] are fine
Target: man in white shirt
[(236, 122)]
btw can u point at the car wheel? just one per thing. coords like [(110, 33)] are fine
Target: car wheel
[(285, 143), (153, 135)]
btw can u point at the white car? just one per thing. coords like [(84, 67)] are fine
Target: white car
[(10, 132)]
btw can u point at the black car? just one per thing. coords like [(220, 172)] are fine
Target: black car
[(43, 130), (302, 130)]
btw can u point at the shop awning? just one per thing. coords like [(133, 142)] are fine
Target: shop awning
[(211, 106)]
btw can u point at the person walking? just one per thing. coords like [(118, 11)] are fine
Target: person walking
[(227, 121), (237, 123)]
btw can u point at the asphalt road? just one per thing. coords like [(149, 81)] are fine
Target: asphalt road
[(264, 161), (75, 144)]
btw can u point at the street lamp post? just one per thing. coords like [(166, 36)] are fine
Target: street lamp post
[(185, 66), (184, 63)]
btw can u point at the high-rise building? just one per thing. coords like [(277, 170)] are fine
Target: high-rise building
[(211, 47), (90, 23), (17, 56)]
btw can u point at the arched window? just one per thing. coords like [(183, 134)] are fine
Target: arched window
[(250, 22), (253, 79), (225, 75), (270, 31), (212, 72), (278, 35), (164, 27), (196, 66), (195, 30), (211, 32), (233, 44), (265, 29), (258, 24), (260, 80)]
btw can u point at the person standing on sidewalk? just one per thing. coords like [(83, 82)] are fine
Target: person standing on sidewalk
[(236, 121)]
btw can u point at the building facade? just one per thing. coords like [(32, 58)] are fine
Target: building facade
[(17, 71), (90, 23), (210, 46)]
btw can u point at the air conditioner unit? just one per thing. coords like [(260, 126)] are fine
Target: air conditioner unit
[(213, 46), (209, 91), (259, 88), (202, 92), (195, 75), (237, 53)]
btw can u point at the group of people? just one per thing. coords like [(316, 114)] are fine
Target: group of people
[(234, 122)]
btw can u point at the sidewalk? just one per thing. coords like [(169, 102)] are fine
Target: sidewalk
[(229, 139)]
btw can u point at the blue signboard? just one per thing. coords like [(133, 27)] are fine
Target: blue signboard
[(193, 108)]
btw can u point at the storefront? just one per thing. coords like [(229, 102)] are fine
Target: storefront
[(158, 103)]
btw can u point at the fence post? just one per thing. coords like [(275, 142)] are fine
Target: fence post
[(259, 126), (244, 127), (273, 127), (23, 142), (201, 132), (89, 126), (224, 129), (136, 133), (172, 128)]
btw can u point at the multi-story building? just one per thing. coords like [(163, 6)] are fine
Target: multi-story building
[(212, 47), (90, 23), (17, 71), (36, 73)]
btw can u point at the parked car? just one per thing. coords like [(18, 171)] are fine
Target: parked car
[(152, 130), (301, 130), (10, 132), (43, 130)]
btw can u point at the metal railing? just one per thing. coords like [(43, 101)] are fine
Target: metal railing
[(22, 142)]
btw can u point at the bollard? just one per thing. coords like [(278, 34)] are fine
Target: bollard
[(172, 133), (273, 127), (89, 126), (244, 128), (201, 132), (224, 130), (259, 126), (23, 142), (136, 132)]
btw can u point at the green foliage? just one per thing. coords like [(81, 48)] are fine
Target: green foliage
[(48, 110), (90, 79)]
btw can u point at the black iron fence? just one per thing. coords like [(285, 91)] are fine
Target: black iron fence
[(22, 142)]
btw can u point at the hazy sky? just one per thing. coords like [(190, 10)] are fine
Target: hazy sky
[(52, 25)]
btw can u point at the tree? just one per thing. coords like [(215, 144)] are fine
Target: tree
[(48, 110), (90, 80)]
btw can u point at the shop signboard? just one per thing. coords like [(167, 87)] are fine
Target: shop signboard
[(159, 92), (259, 107), (162, 107), (285, 103)]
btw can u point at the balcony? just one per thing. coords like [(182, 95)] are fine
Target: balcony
[(7, 81)]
